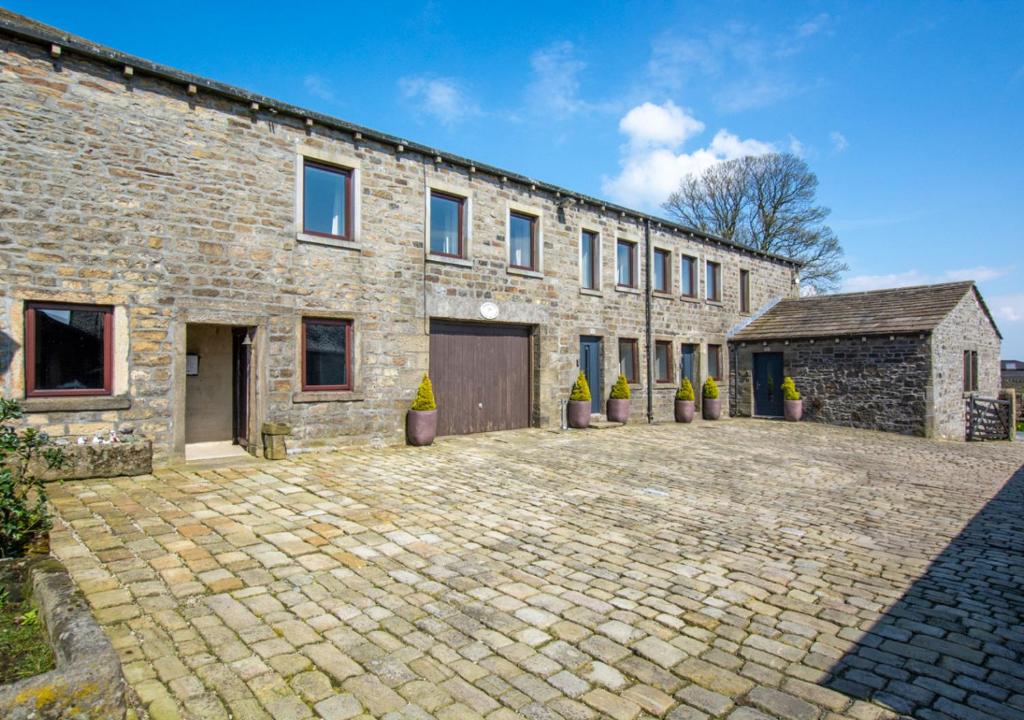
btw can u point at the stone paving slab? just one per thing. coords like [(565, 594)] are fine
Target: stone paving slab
[(740, 569)]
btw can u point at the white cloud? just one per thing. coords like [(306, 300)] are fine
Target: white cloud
[(317, 86), (981, 273), (653, 163), (839, 141), (555, 86), (814, 26), (1008, 308), (796, 147), (440, 98)]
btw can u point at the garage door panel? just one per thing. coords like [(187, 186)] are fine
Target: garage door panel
[(481, 376)]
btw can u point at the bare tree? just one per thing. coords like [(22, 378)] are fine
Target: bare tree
[(767, 202)]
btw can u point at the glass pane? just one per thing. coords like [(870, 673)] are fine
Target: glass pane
[(444, 225), (626, 366), (688, 365), (324, 200), (521, 242), (660, 271), (69, 349), (587, 259), (325, 354), (686, 275), (714, 369), (712, 281), (624, 254), (661, 361)]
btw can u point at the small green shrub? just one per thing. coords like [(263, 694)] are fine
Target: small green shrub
[(710, 389), (425, 396), (620, 390), (685, 391), (23, 512), (580, 389), (1020, 426), (789, 391)]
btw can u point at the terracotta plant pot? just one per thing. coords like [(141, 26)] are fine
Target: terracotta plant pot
[(618, 410), (578, 414), (712, 409), (685, 410), (421, 426), (793, 409)]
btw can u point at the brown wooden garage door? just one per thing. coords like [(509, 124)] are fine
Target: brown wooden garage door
[(481, 376)]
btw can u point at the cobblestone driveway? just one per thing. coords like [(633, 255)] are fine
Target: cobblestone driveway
[(729, 570)]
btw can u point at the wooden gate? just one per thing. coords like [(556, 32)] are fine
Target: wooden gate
[(988, 419), (481, 376)]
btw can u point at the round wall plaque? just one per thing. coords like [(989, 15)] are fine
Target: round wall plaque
[(488, 310)]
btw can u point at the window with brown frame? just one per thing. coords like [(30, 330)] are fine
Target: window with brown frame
[(326, 354), (663, 361), (447, 235), (970, 370), (590, 271), (713, 279), (688, 276), (522, 241), (715, 361), (68, 349), (744, 291), (629, 361), (326, 200), (625, 264), (662, 270)]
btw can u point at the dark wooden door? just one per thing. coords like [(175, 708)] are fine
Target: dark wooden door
[(240, 385), (481, 376), (768, 384), (590, 366)]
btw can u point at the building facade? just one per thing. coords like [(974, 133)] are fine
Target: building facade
[(192, 260)]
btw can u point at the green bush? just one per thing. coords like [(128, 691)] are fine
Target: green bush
[(425, 396), (1020, 426), (23, 512), (789, 391), (580, 389), (685, 391), (620, 390), (710, 389)]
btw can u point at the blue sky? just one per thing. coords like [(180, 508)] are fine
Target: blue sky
[(911, 114)]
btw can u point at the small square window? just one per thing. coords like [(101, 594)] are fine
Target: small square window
[(625, 264), (522, 241), (326, 354), (447, 235), (688, 276), (68, 349), (663, 361), (714, 281), (662, 271), (326, 200), (628, 360), (715, 361), (589, 251)]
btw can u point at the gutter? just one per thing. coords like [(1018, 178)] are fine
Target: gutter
[(648, 298)]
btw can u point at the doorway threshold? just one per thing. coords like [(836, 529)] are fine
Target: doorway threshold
[(216, 450)]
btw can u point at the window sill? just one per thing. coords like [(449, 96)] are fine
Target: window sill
[(664, 385), (328, 242), (664, 295), (313, 396), (689, 299), (627, 289), (76, 403), (448, 260), (714, 303), (591, 292), (524, 272)]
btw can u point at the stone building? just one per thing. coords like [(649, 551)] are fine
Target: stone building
[(192, 260), (1013, 375), (900, 360)]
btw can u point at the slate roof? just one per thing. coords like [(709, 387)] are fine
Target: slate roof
[(878, 312)]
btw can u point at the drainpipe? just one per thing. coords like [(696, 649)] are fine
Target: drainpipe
[(647, 321)]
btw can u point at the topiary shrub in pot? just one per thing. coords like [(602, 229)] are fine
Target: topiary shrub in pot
[(618, 401), (793, 406), (578, 412), (711, 408), (684, 408), (421, 422)]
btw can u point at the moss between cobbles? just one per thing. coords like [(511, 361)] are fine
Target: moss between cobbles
[(24, 648)]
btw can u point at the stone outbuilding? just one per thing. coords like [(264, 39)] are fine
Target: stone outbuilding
[(901, 360)]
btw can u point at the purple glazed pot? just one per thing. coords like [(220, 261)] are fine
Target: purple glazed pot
[(712, 408), (685, 410), (794, 409), (421, 426), (618, 410), (578, 414)]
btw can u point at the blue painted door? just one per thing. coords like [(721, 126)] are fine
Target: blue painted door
[(590, 366), (768, 384), (688, 364)]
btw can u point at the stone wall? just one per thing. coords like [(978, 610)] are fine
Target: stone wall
[(179, 209), (967, 327), (879, 383)]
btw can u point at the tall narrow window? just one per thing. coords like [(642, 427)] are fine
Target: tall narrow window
[(68, 349), (326, 354), (713, 280), (744, 291), (970, 370), (522, 241), (688, 276), (688, 363), (589, 271), (628, 360), (715, 361), (663, 361), (625, 264), (326, 200), (446, 225), (662, 271)]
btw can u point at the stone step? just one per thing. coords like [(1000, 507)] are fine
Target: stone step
[(604, 424)]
